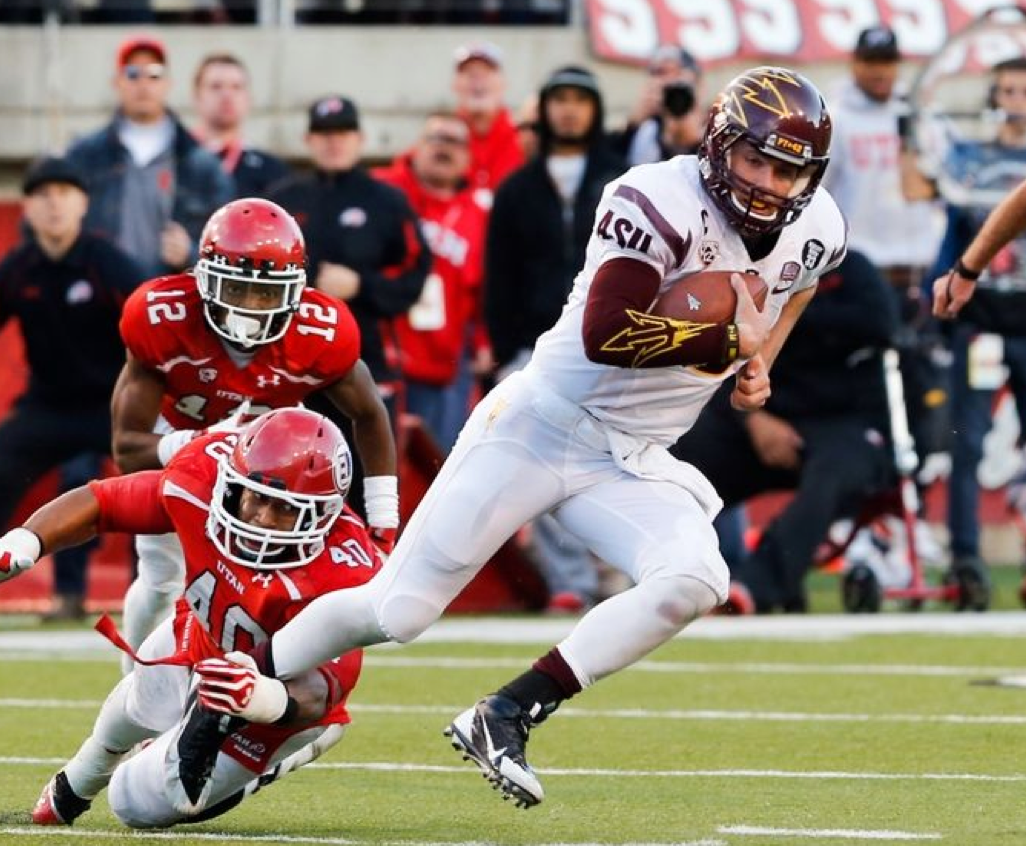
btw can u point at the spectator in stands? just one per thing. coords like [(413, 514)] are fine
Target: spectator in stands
[(900, 236), (152, 186), (665, 121), (537, 234), (988, 345), (66, 288), (480, 88), (364, 245), (823, 433), (221, 97), (431, 334)]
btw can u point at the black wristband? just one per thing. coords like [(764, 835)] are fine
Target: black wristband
[(965, 272), (291, 709)]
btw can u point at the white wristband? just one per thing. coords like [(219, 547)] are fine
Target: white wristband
[(168, 445), (381, 500), (23, 544)]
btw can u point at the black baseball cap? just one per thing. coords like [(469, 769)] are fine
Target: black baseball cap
[(571, 76), (333, 114), (877, 44), (50, 169)]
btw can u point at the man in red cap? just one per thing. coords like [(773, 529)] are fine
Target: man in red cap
[(480, 89), (152, 186)]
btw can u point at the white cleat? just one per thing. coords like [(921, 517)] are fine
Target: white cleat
[(493, 734)]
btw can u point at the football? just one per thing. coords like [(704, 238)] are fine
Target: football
[(707, 297)]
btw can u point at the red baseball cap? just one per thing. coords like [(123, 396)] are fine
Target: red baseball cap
[(134, 43)]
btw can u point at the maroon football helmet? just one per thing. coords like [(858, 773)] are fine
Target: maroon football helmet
[(251, 271), (781, 114), (296, 457)]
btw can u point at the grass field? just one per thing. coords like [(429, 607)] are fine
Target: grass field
[(763, 740)]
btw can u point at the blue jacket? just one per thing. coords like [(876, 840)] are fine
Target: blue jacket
[(201, 185)]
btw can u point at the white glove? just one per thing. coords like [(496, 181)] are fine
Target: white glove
[(233, 685), (19, 550)]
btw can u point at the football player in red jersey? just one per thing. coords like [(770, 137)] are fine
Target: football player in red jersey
[(262, 520), (240, 331)]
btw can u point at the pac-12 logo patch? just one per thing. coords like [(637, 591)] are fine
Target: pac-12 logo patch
[(789, 272)]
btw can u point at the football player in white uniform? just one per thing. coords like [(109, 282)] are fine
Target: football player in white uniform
[(582, 432)]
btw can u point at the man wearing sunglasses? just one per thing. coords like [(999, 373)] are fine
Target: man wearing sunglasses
[(152, 186)]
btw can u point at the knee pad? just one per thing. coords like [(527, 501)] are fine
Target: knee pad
[(136, 800), (403, 618), (161, 563), (683, 599)]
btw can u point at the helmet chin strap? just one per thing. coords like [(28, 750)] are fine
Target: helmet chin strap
[(243, 329)]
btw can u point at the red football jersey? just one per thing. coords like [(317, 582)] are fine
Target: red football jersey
[(228, 606), (163, 326)]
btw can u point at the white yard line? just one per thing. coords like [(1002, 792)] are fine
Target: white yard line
[(826, 833), (287, 838), (820, 775), (545, 630), (703, 715)]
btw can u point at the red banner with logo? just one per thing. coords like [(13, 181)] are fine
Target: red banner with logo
[(715, 31)]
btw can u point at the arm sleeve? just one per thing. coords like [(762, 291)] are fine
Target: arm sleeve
[(394, 288), (618, 329), (132, 504)]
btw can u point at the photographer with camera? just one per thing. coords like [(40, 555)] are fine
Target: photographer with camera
[(666, 120)]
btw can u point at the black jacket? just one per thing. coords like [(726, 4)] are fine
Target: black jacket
[(68, 311), (830, 363), (533, 252), (353, 219), (256, 172)]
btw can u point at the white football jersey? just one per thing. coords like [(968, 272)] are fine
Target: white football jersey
[(660, 214)]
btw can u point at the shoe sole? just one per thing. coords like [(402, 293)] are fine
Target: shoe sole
[(505, 785)]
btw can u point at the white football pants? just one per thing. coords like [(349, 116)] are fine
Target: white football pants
[(151, 597), (523, 452)]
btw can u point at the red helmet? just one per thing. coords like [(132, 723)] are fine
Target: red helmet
[(251, 271), (300, 460), (781, 114)]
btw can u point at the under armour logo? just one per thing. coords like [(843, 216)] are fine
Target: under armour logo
[(264, 579), (269, 381), (694, 304)]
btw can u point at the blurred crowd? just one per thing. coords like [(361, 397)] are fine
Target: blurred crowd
[(443, 12), (457, 255)]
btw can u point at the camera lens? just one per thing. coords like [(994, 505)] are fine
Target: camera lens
[(678, 98)]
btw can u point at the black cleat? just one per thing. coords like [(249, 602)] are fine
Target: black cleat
[(493, 734)]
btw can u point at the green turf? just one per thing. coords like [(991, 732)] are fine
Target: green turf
[(678, 779)]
